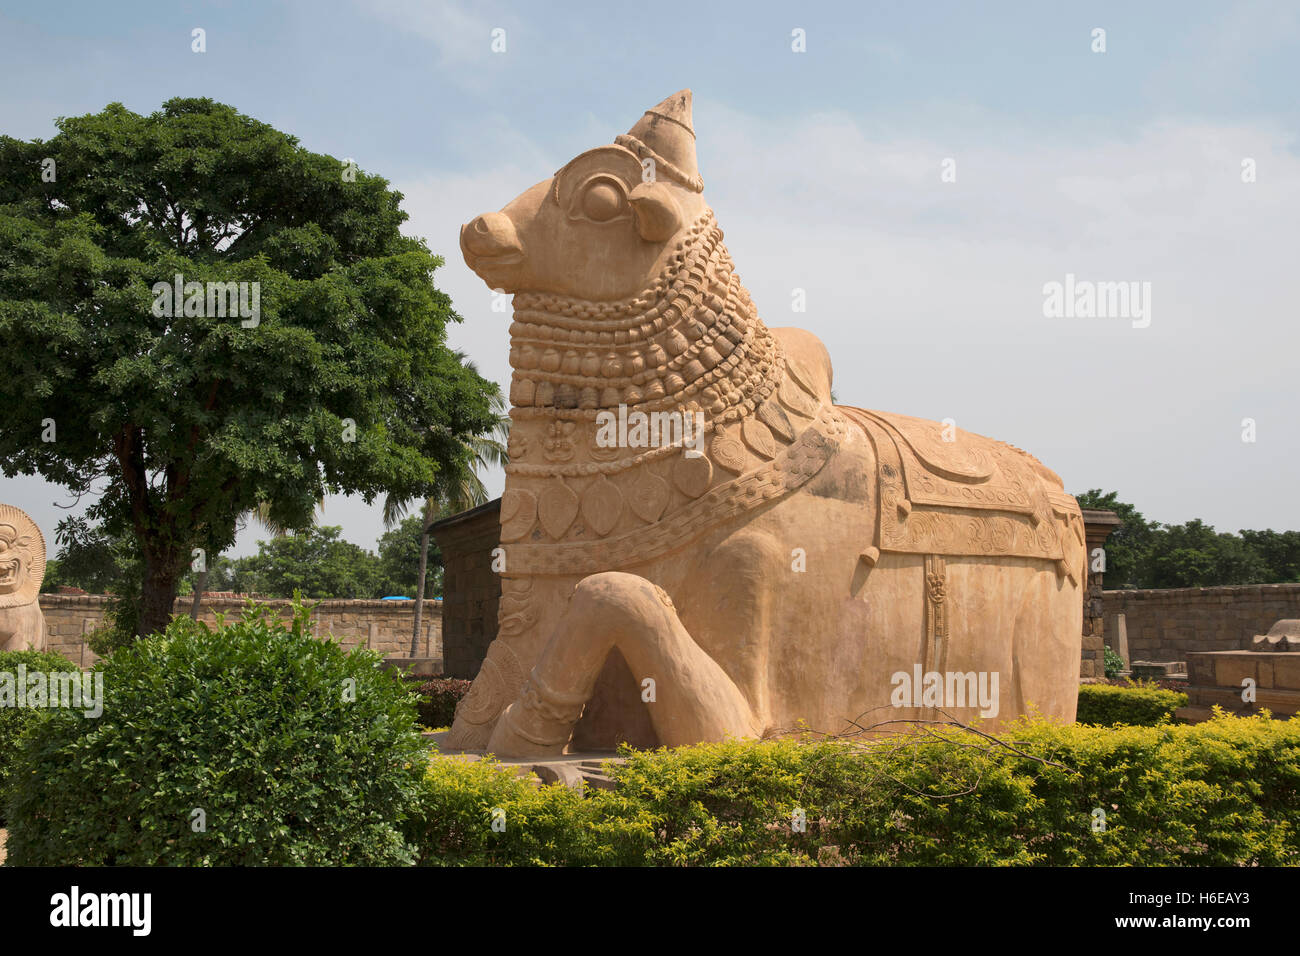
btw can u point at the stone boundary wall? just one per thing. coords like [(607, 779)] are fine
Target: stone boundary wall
[(384, 626), (1164, 624)]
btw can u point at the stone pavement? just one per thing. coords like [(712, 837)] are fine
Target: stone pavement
[(576, 770)]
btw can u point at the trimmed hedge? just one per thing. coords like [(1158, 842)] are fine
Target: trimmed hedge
[(1222, 793), (15, 720), (254, 743), (437, 698), (547, 826), (1135, 704)]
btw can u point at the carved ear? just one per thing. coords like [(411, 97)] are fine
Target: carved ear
[(658, 217)]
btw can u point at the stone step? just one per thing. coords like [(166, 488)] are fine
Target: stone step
[(1281, 703)]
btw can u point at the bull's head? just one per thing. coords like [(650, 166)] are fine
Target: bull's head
[(602, 225)]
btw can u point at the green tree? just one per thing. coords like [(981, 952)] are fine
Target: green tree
[(399, 559), (91, 559), (316, 562), (1127, 545), (457, 487), (97, 561), (341, 382), (1280, 552), (196, 583), (1195, 555), (221, 574), (1144, 554)]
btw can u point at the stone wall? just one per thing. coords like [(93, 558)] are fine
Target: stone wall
[(471, 589), (384, 626), (1163, 625)]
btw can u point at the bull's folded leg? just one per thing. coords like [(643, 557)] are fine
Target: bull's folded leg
[(694, 699)]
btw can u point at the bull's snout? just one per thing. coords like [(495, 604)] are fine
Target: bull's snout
[(491, 236), (492, 249)]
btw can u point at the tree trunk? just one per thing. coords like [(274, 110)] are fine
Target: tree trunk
[(162, 574), (199, 586), (419, 588)]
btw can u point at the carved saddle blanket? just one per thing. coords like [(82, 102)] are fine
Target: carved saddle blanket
[(941, 491), (945, 491)]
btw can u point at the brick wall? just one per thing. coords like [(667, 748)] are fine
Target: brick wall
[(1163, 625), (384, 626), (471, 589)]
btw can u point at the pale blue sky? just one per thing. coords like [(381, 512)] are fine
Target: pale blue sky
[(823, 168)]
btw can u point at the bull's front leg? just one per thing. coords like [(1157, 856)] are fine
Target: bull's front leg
[(695, 700)]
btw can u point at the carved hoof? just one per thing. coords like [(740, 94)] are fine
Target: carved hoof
[(508, 742)]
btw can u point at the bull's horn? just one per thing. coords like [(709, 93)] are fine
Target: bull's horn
[(665, 135)]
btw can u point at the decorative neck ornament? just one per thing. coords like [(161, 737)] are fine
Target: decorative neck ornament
[(692, 340)]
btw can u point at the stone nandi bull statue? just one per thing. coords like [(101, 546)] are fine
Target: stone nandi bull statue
[(811, 554), (22, 566)]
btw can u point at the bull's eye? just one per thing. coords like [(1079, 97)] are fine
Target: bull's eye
[(601, 200)]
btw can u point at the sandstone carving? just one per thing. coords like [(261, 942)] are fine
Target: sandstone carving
[(1282, 636), (788, 564), (22, 566)]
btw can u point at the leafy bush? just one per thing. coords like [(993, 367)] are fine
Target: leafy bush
[(254, 743), (438, 697), (14, 720), (537, 826), (1138, 704), (116, 632), (1163, 683), (1114, 663), (1226, 792), (1222, 793)]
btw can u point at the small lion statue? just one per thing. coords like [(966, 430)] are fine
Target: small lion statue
[(22, 566)]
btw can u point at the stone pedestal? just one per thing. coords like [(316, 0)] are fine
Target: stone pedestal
[(1270, 675), (1216, 677)]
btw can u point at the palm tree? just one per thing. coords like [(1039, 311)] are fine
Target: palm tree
[(457, 488)]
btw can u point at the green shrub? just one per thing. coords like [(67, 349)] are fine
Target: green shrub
[(437, 698), (108, 637), (254, 743), (536, 827), (1113, 663), (13, 719), (1226, 792), (1222, 793), (1136, 704)]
